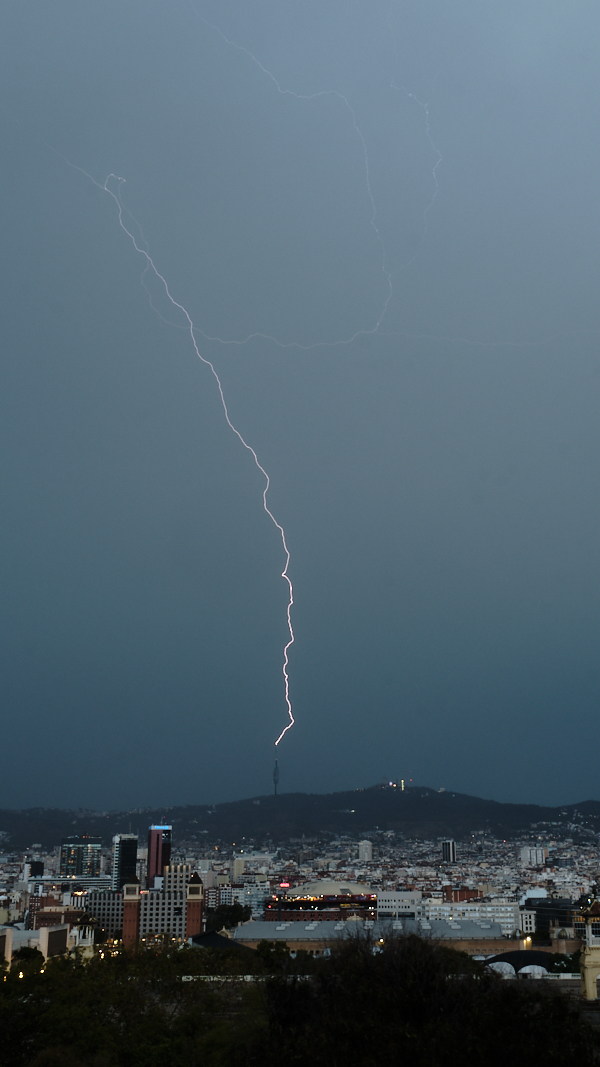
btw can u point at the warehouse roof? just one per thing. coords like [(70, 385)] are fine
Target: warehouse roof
[(329, 888), (437, 929)]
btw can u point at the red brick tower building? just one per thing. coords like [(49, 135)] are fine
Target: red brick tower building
[(131, 914), (194, 906)]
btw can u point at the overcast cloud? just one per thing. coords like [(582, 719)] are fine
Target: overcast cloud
[(382, 218)]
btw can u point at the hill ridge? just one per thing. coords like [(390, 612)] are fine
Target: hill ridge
[(417, 811)]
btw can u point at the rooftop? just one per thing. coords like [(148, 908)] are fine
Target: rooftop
[(318, 930)]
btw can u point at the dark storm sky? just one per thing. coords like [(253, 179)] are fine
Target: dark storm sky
[(437, 477)]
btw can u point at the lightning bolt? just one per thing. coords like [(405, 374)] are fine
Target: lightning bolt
[(112, 186), (151, 266)]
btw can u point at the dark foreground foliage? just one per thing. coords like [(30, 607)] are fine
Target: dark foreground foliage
[(226, 915), (410, 1003), (421, 1004)]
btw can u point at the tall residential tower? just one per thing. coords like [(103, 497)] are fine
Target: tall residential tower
[(124, 859)]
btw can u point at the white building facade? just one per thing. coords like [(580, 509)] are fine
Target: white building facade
[(503, 911), (534, 857), (365, 851), (395, 905)]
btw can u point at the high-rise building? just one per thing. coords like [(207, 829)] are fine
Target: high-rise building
[(534, 857), (124, 859), (236, 869), (172, 904), (80, 856), (365, 851), (449, 851), (107, 907), (176, 876), (159, 852)]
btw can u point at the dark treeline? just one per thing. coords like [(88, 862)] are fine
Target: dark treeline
[(410, 1003), (226, 915)]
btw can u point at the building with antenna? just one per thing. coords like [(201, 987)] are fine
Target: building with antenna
[(159, 852), (276, 777)]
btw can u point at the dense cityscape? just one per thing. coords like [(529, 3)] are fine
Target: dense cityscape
[(211, 943), (477, 890)]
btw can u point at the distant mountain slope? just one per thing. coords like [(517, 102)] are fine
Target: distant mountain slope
[(416, 812)]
